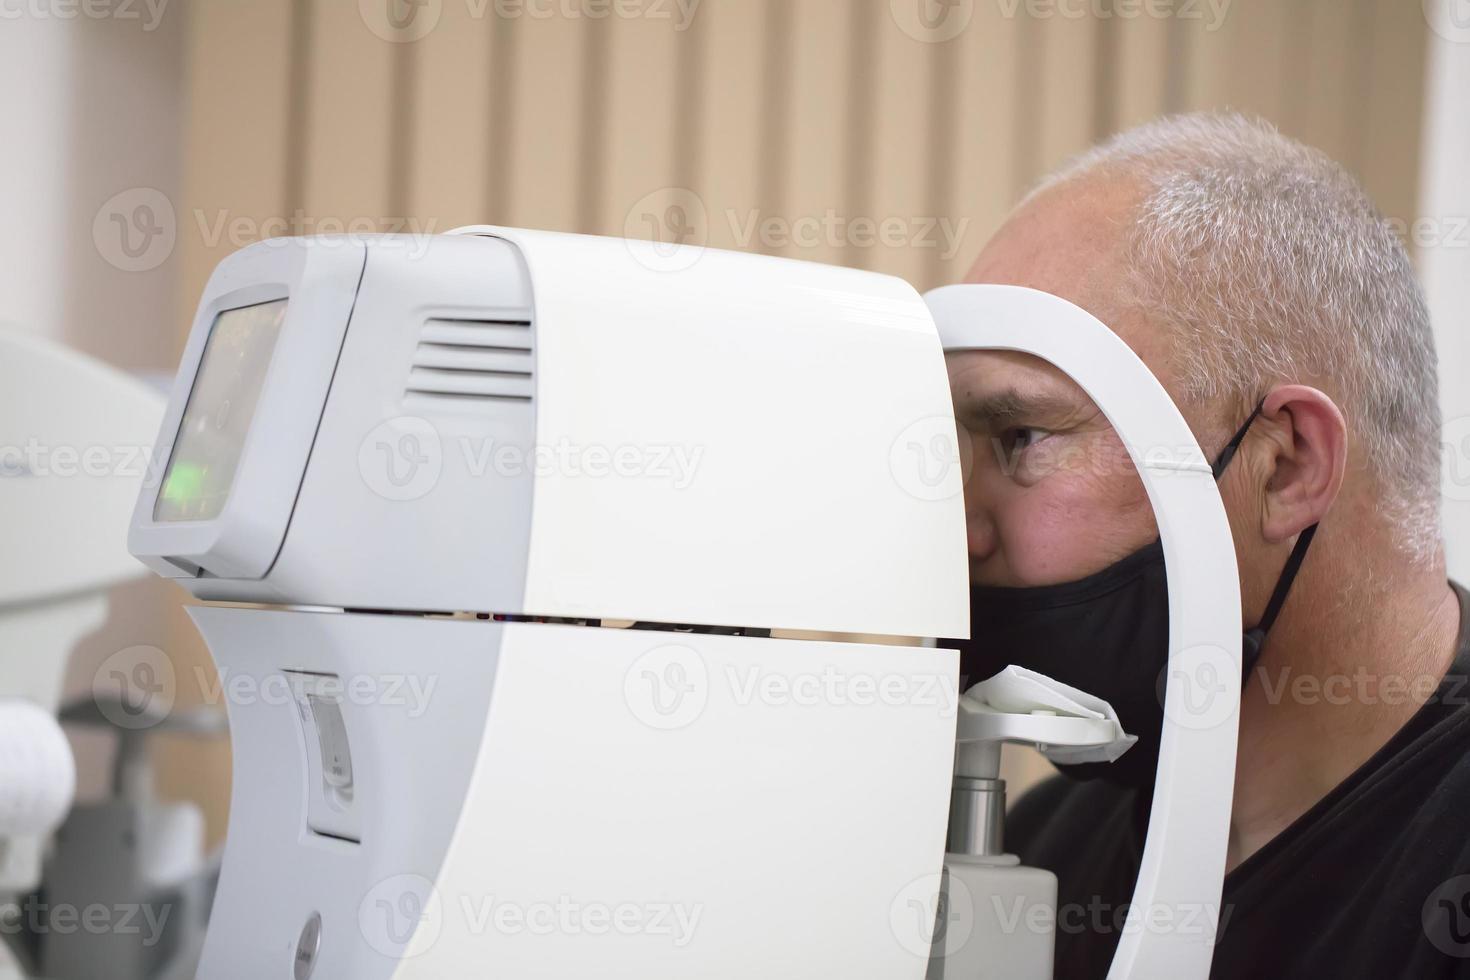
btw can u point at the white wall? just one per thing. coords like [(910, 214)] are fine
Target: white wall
[(92, 108), (1443, 250), (35, 83), (93, 114)]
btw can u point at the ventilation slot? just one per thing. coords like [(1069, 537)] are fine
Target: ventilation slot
[(472, 360)]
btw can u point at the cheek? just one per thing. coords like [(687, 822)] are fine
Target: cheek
[(1075, 521)]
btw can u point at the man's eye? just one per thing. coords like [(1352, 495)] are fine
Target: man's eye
[(1020, 438)]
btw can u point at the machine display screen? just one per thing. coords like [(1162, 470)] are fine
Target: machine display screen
[(217, 416)]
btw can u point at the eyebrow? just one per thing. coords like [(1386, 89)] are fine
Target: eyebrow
[(1011, 405)]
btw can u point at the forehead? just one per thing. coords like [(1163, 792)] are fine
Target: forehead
[(1070, 240)]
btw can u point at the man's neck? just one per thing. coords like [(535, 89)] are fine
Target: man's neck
[(1339, 676)]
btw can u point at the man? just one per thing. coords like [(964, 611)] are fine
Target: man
[(1258, 283)]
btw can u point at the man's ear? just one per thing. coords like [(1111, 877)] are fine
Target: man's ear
[(1303, 455)]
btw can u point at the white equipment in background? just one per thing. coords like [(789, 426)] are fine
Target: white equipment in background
[(74, 438), (1183, 863), (444, 465)]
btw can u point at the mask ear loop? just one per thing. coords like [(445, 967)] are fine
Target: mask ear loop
[(1255, 637), (1228, 453)]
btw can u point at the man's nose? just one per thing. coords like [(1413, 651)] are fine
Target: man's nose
[(980, 528)]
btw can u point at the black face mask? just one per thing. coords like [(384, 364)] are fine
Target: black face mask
[(1107, 634)]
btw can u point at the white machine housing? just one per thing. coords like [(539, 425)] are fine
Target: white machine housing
[(1183, 863), (582, 418), (74, 444), (459, 438)]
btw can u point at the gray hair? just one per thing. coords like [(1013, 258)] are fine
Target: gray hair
[(1272, 265)]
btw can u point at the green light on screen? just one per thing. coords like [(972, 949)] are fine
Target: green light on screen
[(217, 415), (185, 482)]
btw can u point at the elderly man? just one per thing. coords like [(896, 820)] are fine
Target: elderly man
[(1259, 284)]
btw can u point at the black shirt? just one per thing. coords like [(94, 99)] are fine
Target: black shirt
[(1372, 882)]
